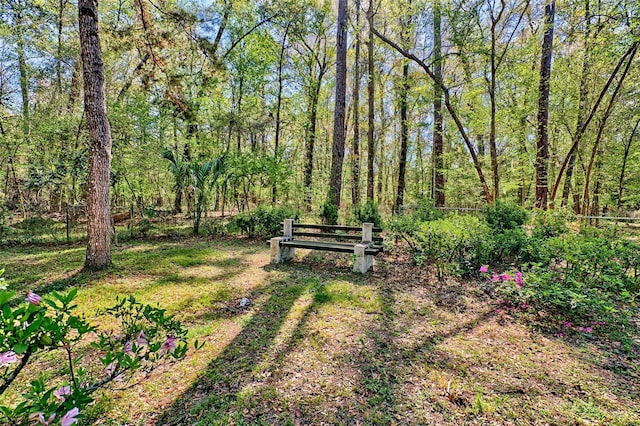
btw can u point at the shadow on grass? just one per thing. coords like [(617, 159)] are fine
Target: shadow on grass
[(213, 395)]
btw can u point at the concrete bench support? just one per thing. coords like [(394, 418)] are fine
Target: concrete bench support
[(280, 254), (363, 261)]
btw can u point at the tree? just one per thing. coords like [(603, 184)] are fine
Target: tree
[(438, 128), (370, 103), (337, 152), (542, 152), (98, 206)]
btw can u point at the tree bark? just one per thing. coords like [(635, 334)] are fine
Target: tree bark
[(355, 147), (370, 101), (542, 152), (337, 152), (98, 209), (404, 137), (438, 128)]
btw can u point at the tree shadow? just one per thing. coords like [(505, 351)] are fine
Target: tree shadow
[(219, 387)]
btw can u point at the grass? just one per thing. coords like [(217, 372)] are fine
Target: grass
[(320, 344)]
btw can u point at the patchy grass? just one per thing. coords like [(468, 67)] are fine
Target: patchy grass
[(321, 345)]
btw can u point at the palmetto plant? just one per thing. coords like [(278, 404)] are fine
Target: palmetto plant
[(204, 177), (180, 170)]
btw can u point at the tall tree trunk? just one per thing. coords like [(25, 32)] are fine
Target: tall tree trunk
[(314, 96), (603, 123), (370, 101), (61, 7), (283, 49), (627, 148), (337, 152), (438, 128), (355, 147), (493, 151), (404, 137), (542, 151), (582, 103), (98, 208), (22, 68)]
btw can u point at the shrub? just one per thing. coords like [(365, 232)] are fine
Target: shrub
[(452, 243), (426, 211), (587, 283), (215, 227), (263, 221), (502, 216), (146, 337), (550, 223), (144, 226), (367, 213), (329, 213)]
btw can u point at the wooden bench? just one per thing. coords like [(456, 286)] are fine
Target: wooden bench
[(364, 247)]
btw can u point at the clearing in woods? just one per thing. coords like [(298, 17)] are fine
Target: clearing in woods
[(319, 344)]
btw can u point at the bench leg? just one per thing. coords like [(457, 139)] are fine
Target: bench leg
[(281, 254), (363, 261)]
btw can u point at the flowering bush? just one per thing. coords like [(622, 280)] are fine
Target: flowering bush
[(578, 293), (146, 338)]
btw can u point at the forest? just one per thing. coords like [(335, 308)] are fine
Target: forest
[(485, 152), (461, 102)]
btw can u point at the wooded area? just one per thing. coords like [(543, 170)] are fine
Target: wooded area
[(227, 104)]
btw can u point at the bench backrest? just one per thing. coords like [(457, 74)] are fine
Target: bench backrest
[(367, 231)]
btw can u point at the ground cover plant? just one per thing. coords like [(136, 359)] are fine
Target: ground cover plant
[(315, 343)]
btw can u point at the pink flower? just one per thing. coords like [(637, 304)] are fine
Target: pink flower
[(566, 324), (495, 277), (519, 279), (48, 421), (142, 339), (62, 392), (505, 277), (169, 345), (484, 268), (70, 418), (32, 298), (588, 329), (128, 347), (7, 358)]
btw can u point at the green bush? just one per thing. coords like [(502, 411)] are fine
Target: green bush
[(34, 228), (550, 223), (502, 216), (263, 221), (329, 213), (587, 283), (367, 213), (452, 244), (426, 211), (214, 227)]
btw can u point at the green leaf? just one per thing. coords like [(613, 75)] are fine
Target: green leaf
[(20, 348)]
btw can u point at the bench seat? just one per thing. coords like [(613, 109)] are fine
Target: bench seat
[(329, 246)]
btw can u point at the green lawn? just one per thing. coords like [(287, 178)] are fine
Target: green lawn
[(320, 344)]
